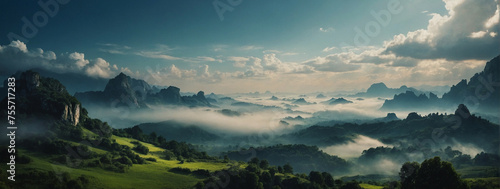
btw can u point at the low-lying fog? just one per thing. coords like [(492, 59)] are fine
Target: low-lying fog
[(274, 117)]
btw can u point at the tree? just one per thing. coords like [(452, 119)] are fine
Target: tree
[(273, 170), (432, 174), (264, 164), (351, 185), (254, 161), (316, 177), (328, 179), (252, 168), (287, 168), (280, 169), (408, 174)]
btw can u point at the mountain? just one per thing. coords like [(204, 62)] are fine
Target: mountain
[(37, 94), (124, 91), (482, 92), (301, 101), (462, 127), (334, 101), (409, 100), (483, 89), (381, 90)]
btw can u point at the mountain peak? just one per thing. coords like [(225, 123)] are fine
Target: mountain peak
[(462, 111)]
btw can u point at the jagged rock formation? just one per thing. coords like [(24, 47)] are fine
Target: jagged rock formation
[(381, 90), (335, 101), (482, 92), (36, 95), (124, 91), (301, 101), (410, 100)]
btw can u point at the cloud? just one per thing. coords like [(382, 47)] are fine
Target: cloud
[(19, 57), (250, 48), (79, 58), (325, 30), (328, 49), (163, 51), (333, 63), (239, 62), (100, 69), (468, 31), (114, 48)]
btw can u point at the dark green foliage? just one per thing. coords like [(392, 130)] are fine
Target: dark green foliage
[(351, 185), (408, 174), (303, 158), (287, 168), (264, 164), (432, 173), (50, 179), (173, 148), (180, 170), (151, 159), (482, 184), (317, 177), (329, 182), (141, 148)]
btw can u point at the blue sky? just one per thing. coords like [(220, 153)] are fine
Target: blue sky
[(258, 45)]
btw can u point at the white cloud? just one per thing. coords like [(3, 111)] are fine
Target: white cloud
[(459, 35), (333, 63), (100, 69), (328, 49), (80, 59), (239, 62), (250, 48), (19, 58), (329, 29)]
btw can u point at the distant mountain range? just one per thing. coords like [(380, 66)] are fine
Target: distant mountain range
[(482, 92), (124, 91), (381, 90)]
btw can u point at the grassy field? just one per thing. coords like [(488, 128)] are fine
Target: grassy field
[(150, 175), (369, 186)]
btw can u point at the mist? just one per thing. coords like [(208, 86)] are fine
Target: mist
[(353, 149)]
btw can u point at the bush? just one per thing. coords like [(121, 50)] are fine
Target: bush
[(151, 159), (141, 148)]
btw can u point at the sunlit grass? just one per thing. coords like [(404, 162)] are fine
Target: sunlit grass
[(369, 186), (149, 175)]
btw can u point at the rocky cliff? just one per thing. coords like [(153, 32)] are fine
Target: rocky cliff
[(39, 95)]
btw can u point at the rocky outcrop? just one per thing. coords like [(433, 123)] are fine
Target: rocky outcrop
[(170, 95), (124, 91), (381, 90), (481, 92), (71, 113), (39, 95)]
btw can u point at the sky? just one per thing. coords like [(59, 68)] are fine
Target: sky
[(230, 46)]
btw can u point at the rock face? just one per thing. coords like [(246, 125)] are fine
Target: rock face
[(124, 91), (171, 95), (71, 114), (410, 100), (39, 95), (481, 92), (381, 90)]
